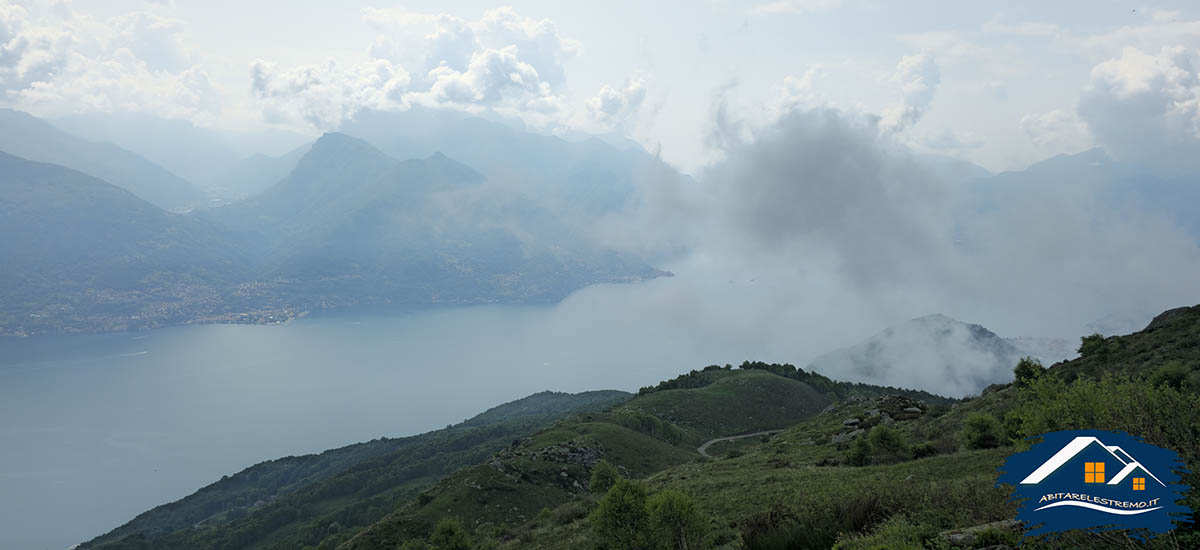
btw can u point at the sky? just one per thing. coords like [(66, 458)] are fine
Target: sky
[(1002, 85)]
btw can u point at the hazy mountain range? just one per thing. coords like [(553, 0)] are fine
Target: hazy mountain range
[(32, 138), (92, 246), (397, 209)]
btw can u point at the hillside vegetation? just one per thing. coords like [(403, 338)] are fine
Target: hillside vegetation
[(888, 473), (355, 485), (847, 466)]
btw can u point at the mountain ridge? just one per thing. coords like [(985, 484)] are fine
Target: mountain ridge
[(29, 137)]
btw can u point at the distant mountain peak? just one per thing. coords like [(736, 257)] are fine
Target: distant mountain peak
[(339, 140), (1093, 157), (32, 138), (934, 352)]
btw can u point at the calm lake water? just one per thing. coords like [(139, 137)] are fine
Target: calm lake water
[(95, 429)]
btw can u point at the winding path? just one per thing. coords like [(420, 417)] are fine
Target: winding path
[(703, 449)]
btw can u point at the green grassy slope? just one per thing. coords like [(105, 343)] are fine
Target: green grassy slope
[(650, 433), (736, 402), (800, 489), (354, 485)]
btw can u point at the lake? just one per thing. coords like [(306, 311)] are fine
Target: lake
[(95, 429)]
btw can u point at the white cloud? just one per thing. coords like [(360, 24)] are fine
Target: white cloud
[(324, 95), (611, 107), (802, 91), (426, 41), (918, 77), (1056, 132), (503, 62), (1141, 103), (539, 41), (65, 62)]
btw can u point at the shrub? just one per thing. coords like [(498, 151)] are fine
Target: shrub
[(860, 452), (570, 511), (888, 444), (1093, 346), (995, 537), (620, 521), (449, 535), (604, 475), (1173, 374), (981, 431), (414, 544), (675, 523), (897, 533), (650, 425), (1027, 370), (924, 449)]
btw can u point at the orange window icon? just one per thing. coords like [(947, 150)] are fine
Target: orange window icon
[(1139, 484), (1093, 472)]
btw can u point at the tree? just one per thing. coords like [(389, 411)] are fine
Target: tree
[(1027, 370), (860, 451), (888, 444), (675, 523), (449, 535), (619, 521), (604, 475), (981, 431), (1093, 345)]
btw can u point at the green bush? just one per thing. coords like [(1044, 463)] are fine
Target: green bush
[(860, 452), (995, 537), (981, 431), (650, 425), (675, 523), (449, 535), (604, 475), (924, 449), (1027, 370), (897, 533), (1173, 375), (888, 444), (570, 511), (414, 544), (620, 521)]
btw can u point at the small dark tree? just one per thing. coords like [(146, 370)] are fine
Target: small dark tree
[(981, 431), (1092, 345), (604, 475), (860, 452), (675, 523), (449, 535), (1027, 370), (888, 444), (619, 521)]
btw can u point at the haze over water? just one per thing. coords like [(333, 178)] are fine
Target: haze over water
[(95, 429)]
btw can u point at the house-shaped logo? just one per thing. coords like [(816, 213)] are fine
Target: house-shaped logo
[(1096, 480)]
